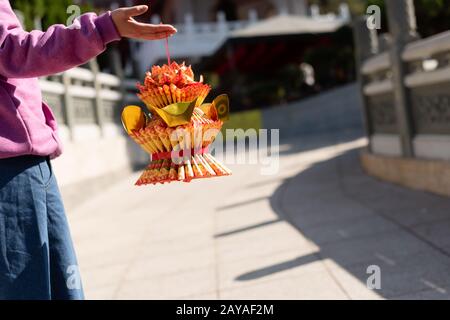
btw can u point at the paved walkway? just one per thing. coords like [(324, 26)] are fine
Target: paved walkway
[(309, 232)]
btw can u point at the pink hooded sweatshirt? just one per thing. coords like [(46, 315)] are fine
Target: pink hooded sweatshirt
[(27, 125)]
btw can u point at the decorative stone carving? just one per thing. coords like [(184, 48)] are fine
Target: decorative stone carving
[(84, 110), (382, 114), (431, 109), (56, 103), (111, 111)]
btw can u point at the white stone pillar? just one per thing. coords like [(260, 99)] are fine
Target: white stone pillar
[(155, 19), (222, 22), (281, 5), (298, 7), (189, 24), (252, 16), (202, 10), (181, 8), (179, 12), (344, 12), (315, 11)]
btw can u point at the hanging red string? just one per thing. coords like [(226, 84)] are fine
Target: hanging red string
[(167, 50)]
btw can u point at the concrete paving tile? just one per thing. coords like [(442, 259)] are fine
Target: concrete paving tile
[(436, 232), (309, 286), (424, 214), (391, 199), (158, 265), (431, 294), (305, 191), (232, 228), (390, 244), (291, 194), (194, 282), (164, 231), (365, 192), (105, 256), (101, 293), (255, 269), (345, 229), (354, 287), (175, 245), (399, 276), (262, 241), (95, 248), (237, 218), (201, 296), (105, 276), (323, 214)]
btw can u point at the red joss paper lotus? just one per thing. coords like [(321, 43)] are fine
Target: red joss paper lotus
[(180, 128)]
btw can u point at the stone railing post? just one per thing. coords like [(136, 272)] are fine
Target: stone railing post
[(189, 24), (222, 22), (365, 46), (69, 111), (402, 28), (252, 16), (344, 12), (98, 100), (116, 62), (315, 11)]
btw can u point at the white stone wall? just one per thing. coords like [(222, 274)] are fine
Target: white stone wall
[(91, 153), (95, 143)]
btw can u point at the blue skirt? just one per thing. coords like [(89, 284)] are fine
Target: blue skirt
[(37, 259)]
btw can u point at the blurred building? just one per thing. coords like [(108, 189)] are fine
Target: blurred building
[(205, 26), (173, 11), (255, 50)]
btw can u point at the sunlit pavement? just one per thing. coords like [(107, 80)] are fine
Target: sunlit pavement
[(308, 232)]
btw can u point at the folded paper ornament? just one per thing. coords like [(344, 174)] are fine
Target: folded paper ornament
[(181, 127)]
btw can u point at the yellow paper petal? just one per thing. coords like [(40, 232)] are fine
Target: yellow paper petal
[(222, 105), (177, 114), (210, 111), (133, 119)]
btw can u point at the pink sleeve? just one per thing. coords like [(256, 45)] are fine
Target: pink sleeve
[(34, 54)]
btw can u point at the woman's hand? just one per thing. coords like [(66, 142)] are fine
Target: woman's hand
[(130, 28)]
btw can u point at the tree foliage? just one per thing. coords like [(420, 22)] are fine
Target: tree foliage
[(49, 11), (356, 6), (432, 16)]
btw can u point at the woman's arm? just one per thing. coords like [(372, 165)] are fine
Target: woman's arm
[(34, 54)]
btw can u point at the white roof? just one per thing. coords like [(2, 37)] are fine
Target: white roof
[(290, 24)]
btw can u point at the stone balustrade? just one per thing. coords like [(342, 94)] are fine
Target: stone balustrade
[(406, 95)]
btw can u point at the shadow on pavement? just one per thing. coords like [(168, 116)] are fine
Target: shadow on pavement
[(255, 226), (358, 221), (240, 204), (297, 262)]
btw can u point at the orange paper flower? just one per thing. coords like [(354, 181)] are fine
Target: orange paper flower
[(179, 149)]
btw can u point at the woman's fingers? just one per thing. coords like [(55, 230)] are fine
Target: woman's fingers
[(155, 36), (135, 11), (130, 28), (151, 28), (138, 34)]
